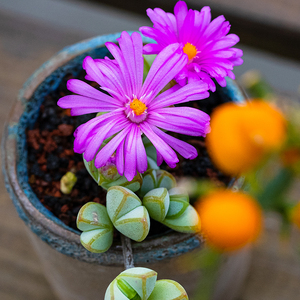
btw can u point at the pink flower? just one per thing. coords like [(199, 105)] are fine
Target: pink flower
[(134, 108), (206, 43)]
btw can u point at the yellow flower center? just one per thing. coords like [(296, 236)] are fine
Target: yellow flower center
[(138, 106), (190, 50)]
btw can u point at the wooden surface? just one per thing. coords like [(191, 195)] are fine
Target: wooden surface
[(24, 46)]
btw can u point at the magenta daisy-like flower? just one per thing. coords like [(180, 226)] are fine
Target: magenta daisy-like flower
[(134, 108), (206, 43)]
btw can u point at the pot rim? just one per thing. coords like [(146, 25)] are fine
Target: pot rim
[(48, 227)]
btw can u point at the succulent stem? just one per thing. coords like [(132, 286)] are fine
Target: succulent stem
[(127, 252)]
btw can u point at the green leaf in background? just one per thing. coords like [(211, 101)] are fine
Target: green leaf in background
[(148, 61), (276, 189)]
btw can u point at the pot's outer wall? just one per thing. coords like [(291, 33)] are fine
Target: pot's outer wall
[(14, 156)]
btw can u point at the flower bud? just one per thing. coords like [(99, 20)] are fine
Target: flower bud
[(108, 176)]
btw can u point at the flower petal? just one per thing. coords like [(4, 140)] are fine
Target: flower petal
[(84, 89), (210, 38), (131, 48), (183, 148), (180, 12), (113, 80), (141, 156), (226, 42), (97, 140), (159, 159), (106, 152), (189, 92), (120, 158), (165, 150), (164, 68), (88, 129), (77, 101), (185, 120), (130, 153), (152, 49), (92, 70)]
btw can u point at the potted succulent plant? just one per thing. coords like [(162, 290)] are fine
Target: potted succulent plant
[(117, 157)]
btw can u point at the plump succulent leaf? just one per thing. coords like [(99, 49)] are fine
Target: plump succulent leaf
[(132, 283), (127, 213), (165, 179), (93, 220), (135, 224), (141, 284), (153, 179), (179, 201), (157, 202), (133, 185), (149, 182), (188, 221), (168, 290), (167, 203), (179, 193)]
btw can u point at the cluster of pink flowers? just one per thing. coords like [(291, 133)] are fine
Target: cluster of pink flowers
[(190, 49)]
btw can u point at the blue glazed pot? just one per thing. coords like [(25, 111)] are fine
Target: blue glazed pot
[(43, 223)]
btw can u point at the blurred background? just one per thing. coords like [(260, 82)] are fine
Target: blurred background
[(31, 31)]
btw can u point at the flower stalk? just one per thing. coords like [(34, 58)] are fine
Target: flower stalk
[(127, 252)]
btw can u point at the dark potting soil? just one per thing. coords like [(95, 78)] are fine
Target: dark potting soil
[(51, 155)]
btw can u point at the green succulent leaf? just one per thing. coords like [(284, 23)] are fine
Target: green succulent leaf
[(149, 182), (155, 179), (178, 193), (165, 179), (168, 290), (127, 213), (93, 220), (133, 185), (140, 284), (131, 284), (179, 201), (188, 221), (157, 203), (167, 203), (152, 164), (177, 208)]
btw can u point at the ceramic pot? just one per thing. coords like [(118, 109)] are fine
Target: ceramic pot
[(74, 272)]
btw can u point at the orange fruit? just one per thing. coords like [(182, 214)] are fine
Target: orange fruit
[(229, 220), (241, 134)]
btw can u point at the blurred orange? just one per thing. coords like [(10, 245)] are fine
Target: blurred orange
[(290, 156), (241, 134), (295, 215), (229, 220)]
